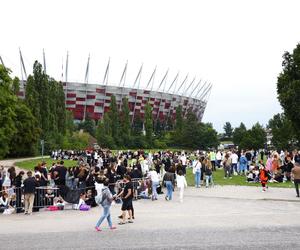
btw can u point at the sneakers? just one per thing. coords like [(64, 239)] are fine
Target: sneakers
[(113, 228), (130, 221), (98, 229)]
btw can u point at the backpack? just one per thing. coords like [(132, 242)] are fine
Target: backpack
[(100, 198)]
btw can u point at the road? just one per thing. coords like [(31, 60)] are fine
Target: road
[(203, 221)]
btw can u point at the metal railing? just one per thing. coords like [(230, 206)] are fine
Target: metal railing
[(45, 196)]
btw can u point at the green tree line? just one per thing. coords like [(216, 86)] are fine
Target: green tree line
[(116, 130)]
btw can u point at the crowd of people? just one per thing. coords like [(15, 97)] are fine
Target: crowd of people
[(128, 175)]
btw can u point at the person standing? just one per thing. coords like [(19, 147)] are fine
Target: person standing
[(197, 172), (127, 196), (106, 200), (234, 161), (208, 173), (226, 165), (29, 189), (212, 158), (62, 171), (296, 176), (219, 158), (183, 160), (169, 181), (263, 177), (155, 182), (243, 164), (181, 184)]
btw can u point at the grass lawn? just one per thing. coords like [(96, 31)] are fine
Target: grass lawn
[(30, 164), (218, 177)]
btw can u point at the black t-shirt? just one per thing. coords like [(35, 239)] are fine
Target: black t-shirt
[(128, 186), (62, 170), (248, 156), (289, 167)]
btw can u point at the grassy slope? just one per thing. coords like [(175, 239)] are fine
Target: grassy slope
[(29, 165), (218, 177)]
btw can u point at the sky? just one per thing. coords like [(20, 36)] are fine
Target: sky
[(237, 45)]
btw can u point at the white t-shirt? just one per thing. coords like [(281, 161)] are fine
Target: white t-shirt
[(183, 159), (154, 176), (219, 156), (197, 167), (234, 158), (98, 187)]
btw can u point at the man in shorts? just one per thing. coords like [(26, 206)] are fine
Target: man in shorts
[(127, 196)]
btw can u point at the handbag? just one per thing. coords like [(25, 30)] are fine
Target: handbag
[(84, 207)]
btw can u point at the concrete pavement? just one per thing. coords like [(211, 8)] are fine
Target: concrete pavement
[(216, 218)]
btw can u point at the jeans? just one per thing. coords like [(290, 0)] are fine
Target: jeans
[(233, 167), (106, 214), (154, 189), (208, 179), (169, 186), (198, 178), (227, 171), (296, 182)]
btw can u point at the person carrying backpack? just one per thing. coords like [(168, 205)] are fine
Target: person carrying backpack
[(105, 199)]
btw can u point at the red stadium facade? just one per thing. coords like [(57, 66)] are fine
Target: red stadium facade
[(93, 100)]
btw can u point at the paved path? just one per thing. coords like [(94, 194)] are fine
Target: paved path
[(11, 162), (216, 218)]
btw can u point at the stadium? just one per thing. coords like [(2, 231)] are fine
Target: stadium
[(92, 100)]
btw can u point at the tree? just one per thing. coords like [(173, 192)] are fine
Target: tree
[(208, 136), (18, 127), (238, 134), (46, 100), (125, 123), (103, 133), (283, 135), (191, 131), (148, 124), (16, 85), (255, 138), (179, 120), (114, 120), (8, 102), (88, 125), (288, 88), (228, 130), (26, 137), (69, 122), (259, 136), (137, 126)]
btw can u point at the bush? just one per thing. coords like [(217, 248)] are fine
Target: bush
[(160, 144)]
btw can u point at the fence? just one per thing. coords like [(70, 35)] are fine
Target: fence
[(45, 196)]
